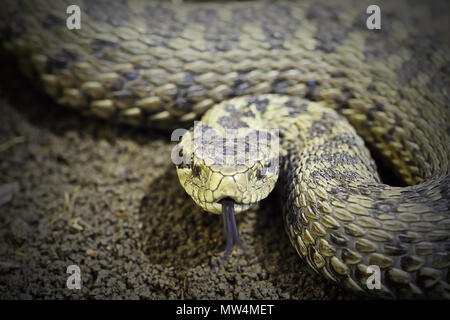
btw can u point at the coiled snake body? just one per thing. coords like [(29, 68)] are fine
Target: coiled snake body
[(314, 72)]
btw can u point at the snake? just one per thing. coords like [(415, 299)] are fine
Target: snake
[(300, 95)]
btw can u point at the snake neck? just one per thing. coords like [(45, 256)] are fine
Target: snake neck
[(338, 214)]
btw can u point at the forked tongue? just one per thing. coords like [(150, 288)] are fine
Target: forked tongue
[(231, 230)]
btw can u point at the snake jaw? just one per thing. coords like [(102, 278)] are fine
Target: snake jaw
[(218, 207), (231, 231)]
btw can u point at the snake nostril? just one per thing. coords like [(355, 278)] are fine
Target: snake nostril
[(196, 171)]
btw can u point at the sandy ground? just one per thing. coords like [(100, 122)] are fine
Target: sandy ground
[(106, 198)]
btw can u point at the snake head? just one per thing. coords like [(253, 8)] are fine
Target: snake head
[(237, 165)]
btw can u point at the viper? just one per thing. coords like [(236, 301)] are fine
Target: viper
[(300, 92)]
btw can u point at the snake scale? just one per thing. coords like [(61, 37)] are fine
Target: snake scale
[(312, 71)]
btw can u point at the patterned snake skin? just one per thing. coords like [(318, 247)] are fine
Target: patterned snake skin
[(313, 71)]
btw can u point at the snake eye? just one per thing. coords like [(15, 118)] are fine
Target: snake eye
[(185, 163)]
